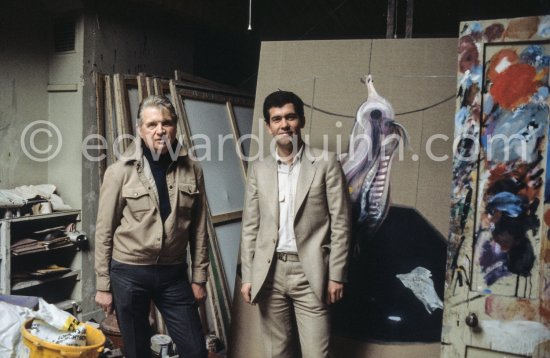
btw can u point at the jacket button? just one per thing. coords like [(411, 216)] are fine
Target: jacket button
[(268, 260), (171, 186), (274, 241), (135, 194)]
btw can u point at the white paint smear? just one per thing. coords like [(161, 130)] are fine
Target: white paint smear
[(503, 65), (519, 337), (420, 283)]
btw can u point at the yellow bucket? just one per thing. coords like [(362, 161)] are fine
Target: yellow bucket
[(40, 348)]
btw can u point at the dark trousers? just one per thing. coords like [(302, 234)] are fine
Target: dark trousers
[(134, 286)]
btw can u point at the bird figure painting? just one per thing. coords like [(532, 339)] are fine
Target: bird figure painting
[(374, 140)]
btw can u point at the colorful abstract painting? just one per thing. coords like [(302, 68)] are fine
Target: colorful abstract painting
[(498, 258), (515, 116)]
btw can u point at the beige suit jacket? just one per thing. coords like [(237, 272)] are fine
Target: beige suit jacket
[(321, 221)]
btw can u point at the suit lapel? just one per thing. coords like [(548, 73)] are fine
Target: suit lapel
[(307, 172)]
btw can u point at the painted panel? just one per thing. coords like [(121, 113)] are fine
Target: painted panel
[(395, 248), (496, 261), (133, 99), (243, 117), (515, 121), (229, 237), (215, 149)]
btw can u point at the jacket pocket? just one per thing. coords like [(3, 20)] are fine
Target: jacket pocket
[(137, 201), (187, 194)]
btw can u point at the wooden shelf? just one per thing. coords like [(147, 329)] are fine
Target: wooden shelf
[(55, 248), (55, 214), (31, 283), (66, 304)]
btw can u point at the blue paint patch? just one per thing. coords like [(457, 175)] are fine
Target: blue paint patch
[(460, 117), (506, 202), (543, 92), (543, 62), (488, 104), (534, 56), (476, 27), (530, 54), (476, 73), (493, 263), (516, 133)]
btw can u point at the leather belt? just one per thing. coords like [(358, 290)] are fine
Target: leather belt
[(284, 256)]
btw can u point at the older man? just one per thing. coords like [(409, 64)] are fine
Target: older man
[(151, 208)]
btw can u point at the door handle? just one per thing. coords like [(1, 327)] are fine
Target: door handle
[(472, 321)]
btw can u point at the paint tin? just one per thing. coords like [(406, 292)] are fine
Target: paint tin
[(109, 327), (161, 346)]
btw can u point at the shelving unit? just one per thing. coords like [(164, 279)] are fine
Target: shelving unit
[(64, 288)]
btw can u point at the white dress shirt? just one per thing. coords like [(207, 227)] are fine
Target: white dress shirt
[(287, 176)]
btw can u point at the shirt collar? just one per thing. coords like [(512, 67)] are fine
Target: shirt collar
[(296, 158)]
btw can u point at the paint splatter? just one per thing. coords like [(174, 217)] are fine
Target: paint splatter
[(514, 86), (532, 54), (522, 28), (503, 308), (503, 336), (500, 61), (493, 32), (515, 135), (476, 31), (469, 55), (544, 27)]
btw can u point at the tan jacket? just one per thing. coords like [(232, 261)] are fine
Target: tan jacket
[(321, 221), (129, 228)]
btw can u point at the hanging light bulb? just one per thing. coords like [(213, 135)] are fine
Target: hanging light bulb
[(250, 15)]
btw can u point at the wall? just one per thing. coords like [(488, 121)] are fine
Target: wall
[(23, 89), (65, 88), (411, 74)]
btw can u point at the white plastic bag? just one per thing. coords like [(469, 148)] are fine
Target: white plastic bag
[(74, 337), (55, 317), (12, 318)]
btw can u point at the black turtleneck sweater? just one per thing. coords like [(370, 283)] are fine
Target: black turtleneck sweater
[(159, 168)]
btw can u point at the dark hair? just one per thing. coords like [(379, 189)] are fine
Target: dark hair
[(160, 102), (279, 99)]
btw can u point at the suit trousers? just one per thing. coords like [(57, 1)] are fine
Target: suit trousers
[(286, 292), (134, 286)]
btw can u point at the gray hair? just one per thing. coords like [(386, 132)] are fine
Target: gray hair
[(160, 102)]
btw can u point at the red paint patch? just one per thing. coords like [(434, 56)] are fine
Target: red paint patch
[(514, 86), (508, 55), (469, 55), (493, 32), (545, 313), (547, 217)]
